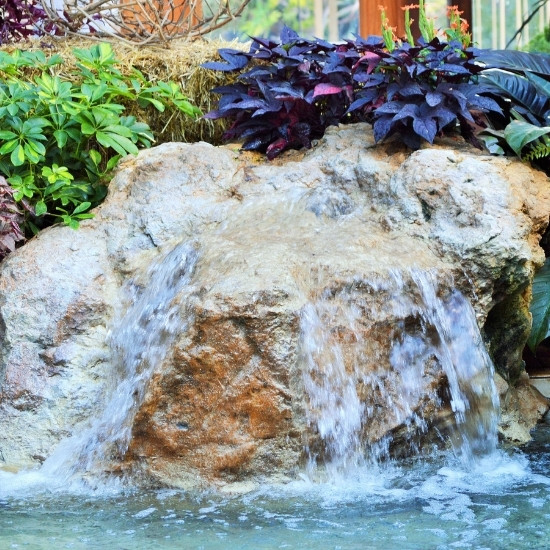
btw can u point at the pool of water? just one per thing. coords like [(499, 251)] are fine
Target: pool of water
[(503, 501)]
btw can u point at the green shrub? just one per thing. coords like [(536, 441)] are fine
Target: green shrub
[(61, 136)]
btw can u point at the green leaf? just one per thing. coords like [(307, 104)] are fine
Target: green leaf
[(36, 146), (17, 156), (73, 224), (31, 154), (518, 88), (540, 307), (83, 206), (61, 138), (112, 162), (87, 129), (40, 209), (122, 145), (518, 134), (6, 134), (159, 106), (542, 85), (9, 146), (95, 156), (515, 60), (492, 143)]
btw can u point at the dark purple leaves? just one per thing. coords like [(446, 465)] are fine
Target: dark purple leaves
[(11, 220), (292, 90), (22, 19)]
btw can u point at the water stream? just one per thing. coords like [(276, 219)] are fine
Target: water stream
[(465, 492)]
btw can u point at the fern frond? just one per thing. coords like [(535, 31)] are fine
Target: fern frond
[(538, 151)]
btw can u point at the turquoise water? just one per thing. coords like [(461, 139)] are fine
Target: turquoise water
[(503, 501)]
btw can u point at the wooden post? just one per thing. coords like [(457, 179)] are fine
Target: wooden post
[(369, 16), (465, 6)]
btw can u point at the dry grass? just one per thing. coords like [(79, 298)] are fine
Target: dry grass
[(179, 61)]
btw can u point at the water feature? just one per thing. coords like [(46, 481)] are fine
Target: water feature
[(140, 341), (415, 504), (351, 494), (438, 333)]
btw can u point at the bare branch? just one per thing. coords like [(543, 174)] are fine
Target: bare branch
[(142, 21)]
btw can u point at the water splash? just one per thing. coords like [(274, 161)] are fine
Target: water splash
[(367, 376), (140, 342), (330, 379)]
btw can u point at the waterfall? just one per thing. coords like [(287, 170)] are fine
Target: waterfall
[(363, 378), (140, 342)]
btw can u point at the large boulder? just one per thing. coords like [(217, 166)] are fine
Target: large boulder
[(292, 289)]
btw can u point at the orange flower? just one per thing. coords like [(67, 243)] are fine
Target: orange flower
[(453, 10), (410, 7)]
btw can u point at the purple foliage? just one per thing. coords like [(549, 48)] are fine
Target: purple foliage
[(11, 220), (288, 99), (21, 19), (298, 87)]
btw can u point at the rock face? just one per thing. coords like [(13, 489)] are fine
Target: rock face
[(336, 237)]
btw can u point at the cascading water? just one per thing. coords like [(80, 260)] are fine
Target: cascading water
[(140, 342), (359, 370), (436, 356)]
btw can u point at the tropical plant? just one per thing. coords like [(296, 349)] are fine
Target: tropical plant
[(540, 307), (297, 87), (524, 79), (60, 138)]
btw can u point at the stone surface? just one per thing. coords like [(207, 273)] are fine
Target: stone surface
[(338, 221)]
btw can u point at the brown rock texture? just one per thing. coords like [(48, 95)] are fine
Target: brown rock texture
[(338, 231)]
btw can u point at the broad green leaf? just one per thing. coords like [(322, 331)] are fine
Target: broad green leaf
[(87, 128), (542, 85), (188, 108), (9, 146), (61, 138), (73, 224), (17, 156), (31, 154), (159, 106), (540, 307), (493, 144), (72, 108), (81, 207), (6, 134), (53, 187), (517, 87), (518, 134), (118, 129), (36, 124), (38, 147), (40, 209), (120, 144), (74, 134), (515, 60), (112, 162), (95, 156)]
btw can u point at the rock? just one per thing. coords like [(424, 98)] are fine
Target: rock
[(522, 407), (341, 229)]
